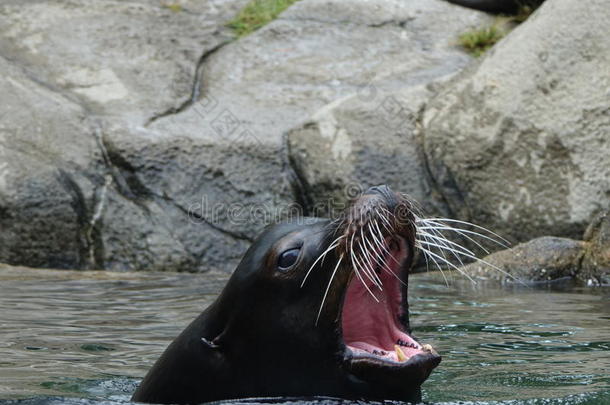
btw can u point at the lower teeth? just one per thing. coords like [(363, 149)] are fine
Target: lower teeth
[(401, 356)]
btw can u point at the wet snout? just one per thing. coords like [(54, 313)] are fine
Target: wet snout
[(386, 192), (394, 211)]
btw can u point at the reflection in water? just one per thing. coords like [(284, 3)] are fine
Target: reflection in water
[(94, 334)]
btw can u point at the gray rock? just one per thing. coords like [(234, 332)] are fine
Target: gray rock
[(370, 136), (521, 142), (352, 144), (183, 214), (540, 260), (548, 259), (596, 261), (319, 51), (131, 138), (71, 72), (228, 151), (66, 202), (49, 171), (108, 162), (133, 59)]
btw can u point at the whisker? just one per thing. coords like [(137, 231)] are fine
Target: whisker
[(442, 251), (386, 223), (488, 264), (367, 255), (439, 237), (469, 224), (379, 259), (378, 239), (440, 225), (340, 224), (366, 260), (334, 242), (367, 272), (383, 214), (462, 232), (357, 272), (382, 245), (449, 263), (445, 248), (418, 245), (426, 257), (493, 267), (500, 270), (461, 250), (425, 252), (354, 264), (438, 266), (386, 211), (331, 247), (328, 288)]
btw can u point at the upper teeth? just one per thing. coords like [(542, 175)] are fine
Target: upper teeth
[(407, 344)]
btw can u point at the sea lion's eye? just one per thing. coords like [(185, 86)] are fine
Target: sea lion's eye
[(287, 259)]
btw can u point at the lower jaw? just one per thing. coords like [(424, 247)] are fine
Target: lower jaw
[(403, 377), (391, 379)]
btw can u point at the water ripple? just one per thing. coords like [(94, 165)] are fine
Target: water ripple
[(86, 337)]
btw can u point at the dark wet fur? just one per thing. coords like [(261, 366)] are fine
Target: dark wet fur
[(498, 6)]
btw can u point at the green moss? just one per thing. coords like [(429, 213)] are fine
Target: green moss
[(256, 14), (478, 41), (175, 7)]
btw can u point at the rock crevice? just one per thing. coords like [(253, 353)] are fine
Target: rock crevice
[(196, 88)]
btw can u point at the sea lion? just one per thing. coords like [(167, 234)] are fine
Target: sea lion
[(498, 6), (315, 308)]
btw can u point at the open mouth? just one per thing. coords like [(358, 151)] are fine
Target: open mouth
[(371, 317), (374, 315)]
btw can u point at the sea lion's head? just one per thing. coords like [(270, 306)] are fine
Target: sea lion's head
[(319, 307), (316, 307)]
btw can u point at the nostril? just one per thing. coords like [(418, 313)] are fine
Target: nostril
[(388, 196), (382, 189)]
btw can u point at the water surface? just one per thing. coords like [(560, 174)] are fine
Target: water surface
[(88, 337)]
